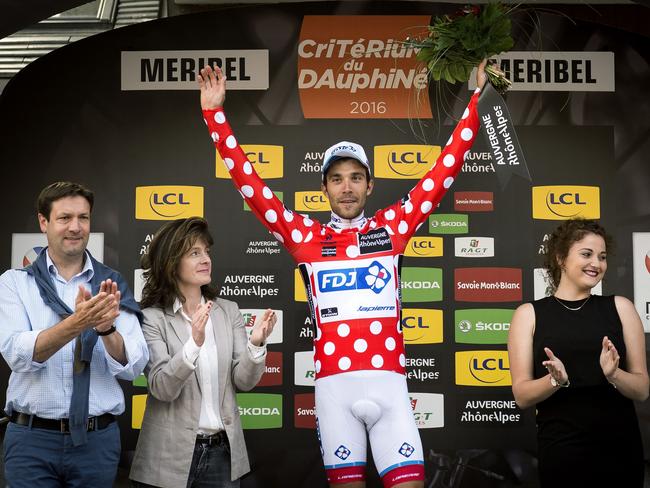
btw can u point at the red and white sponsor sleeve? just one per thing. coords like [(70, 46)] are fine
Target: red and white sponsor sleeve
[(289, 227), (404, 217)]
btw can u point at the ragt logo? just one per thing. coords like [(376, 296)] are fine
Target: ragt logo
[(375, 277)]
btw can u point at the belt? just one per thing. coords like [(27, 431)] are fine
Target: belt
[(217, 439), (61, 425)]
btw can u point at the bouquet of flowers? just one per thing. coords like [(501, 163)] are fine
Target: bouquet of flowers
[(456, 44)]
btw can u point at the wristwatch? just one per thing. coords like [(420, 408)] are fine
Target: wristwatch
[(555, 383), (107, 331)]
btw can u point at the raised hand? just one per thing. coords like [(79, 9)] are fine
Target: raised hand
[(212, 83), (109, 287), (609, 359), (555, 367), (481, 77), (93, 310), (199, 320), (263, 327)]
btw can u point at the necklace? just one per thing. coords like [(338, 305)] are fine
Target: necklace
[(573, 309)]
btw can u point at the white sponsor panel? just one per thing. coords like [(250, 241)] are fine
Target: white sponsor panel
[(245, 69), (641, 252), (303, 371), (372, 281), (138, 283), (541, 284), (276, 335), (556, 71), (24, 247), (428, 410), (474, 247)]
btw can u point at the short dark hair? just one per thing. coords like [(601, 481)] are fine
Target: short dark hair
[(161, 263), (561, 240), (61, 189)]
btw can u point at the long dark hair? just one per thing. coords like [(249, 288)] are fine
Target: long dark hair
[(161, 263), (561, 240)]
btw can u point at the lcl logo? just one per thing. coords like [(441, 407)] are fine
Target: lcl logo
[(407, 157), (424, 247), (257, 157), (311, 201), (565, 199), (414, 323), (168, 202), (404, 161), (565, 202), (168, 199)]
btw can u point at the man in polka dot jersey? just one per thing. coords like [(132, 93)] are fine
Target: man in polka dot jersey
[(350, 267)]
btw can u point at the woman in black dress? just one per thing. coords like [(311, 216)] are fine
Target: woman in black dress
[(580, 358)]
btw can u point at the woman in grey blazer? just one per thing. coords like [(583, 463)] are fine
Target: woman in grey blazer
[(199, 352)]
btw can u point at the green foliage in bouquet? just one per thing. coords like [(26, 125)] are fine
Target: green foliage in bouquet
[(456, 44)]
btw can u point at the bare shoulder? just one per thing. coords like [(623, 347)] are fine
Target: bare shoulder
[(525, 311), (628, 314), (523, 320), (623, 304)]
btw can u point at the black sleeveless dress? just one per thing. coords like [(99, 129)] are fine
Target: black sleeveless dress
[(588, 433)]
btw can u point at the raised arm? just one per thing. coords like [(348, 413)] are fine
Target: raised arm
[(404, 217), (288, 227)]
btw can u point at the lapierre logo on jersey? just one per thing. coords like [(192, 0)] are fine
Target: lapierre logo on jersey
[(404, 161), (566, 202), (267, 160), (168, 202), (311, 201), (245, 69), (375, 241), (375, 277)]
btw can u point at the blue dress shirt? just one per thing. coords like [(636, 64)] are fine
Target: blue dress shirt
[(44, 389)]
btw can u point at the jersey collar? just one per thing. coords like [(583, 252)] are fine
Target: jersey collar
[(337, 222)]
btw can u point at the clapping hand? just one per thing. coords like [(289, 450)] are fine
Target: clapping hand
[(263, 327), (199, 320), (96, 311), (109, 287), (212, 83), (609, 359), (555, 367)]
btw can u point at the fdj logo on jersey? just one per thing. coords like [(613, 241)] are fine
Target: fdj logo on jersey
[(375, 277)]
